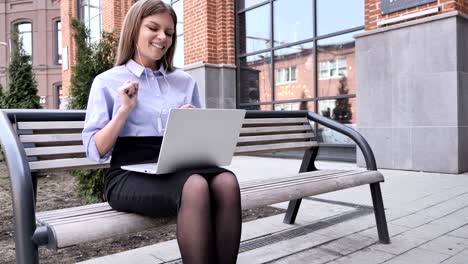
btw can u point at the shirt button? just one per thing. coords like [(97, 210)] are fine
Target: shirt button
[(152, 78)]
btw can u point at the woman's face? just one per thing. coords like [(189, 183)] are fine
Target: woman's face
[(154, 39)]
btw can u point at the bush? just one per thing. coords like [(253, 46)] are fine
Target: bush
[(90, 184), (92, 59), (22, 85)]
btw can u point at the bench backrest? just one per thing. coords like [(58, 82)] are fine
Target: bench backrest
[(57, 145)]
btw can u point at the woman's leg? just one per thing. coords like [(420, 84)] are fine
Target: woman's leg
[(194, 230), (226, 215)]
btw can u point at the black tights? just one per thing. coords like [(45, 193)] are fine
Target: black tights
[(209, 220)]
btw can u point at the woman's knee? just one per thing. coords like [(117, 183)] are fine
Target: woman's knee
[(225, 182), (195, 188)]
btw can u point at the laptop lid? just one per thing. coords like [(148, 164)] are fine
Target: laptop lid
[(199, 138)]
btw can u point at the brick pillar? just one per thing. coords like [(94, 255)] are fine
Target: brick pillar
[(209, 31), (373, 11), (113, 14), (68, 10)]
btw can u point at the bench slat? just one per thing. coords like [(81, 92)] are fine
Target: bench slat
[(275, 129), (49, 138), (250, 139), (43, 151), (275, 147), (65, 164), (100, 222), (255, 121), (51, 125)]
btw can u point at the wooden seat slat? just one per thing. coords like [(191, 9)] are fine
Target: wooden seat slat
[(50, 138), (263, 121), (275, 147), (51, 125), (43, 151), (275, 129), (65, 164), (252, 139)]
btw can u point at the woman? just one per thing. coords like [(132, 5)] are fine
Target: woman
[(127, 111)]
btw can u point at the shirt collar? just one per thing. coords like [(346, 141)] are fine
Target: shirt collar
[(138, 69)]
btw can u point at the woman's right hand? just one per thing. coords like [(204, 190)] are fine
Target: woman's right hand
[(128, 93)]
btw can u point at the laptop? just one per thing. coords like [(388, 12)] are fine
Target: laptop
[(196, 138)]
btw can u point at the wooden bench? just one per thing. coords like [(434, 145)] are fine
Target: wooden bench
[(43, 141)]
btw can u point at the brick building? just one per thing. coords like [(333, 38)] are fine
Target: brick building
[(403, 62), (38, 24), (398, 59)]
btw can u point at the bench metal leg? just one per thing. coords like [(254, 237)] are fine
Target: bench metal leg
[(379, 212), (291, 213)]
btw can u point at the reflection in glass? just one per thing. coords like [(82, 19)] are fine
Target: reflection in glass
[(24, 30), (336, 65), (341, 110), (255, 84), (331, 19), (255, 29), (90, 14), (248, 3), (292, 24), (294, 67)]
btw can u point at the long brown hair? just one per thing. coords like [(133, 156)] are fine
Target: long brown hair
[(131, 27)]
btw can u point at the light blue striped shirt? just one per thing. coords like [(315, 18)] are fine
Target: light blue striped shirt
[(158, 92)]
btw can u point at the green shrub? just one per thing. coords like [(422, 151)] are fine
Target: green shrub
[(90, 184)]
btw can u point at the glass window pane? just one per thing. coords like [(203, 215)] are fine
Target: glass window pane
[(25, 36), (337, 58), (341, 110), (294, 72), (24, 27), (292, 23), (179, 9), (336, 15), (255, 28), (248, 3), (255, 85), (179, 52)]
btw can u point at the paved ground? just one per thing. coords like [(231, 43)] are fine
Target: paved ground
[(427, 215)]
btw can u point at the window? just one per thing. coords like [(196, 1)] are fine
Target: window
[(58, 42), (24, 31), (333, 68), (58, 95), (285, 75), (90, 14)]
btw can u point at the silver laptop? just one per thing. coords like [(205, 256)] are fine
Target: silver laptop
[(196, 138)]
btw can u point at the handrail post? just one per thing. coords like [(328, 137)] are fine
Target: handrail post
[(21, 193)]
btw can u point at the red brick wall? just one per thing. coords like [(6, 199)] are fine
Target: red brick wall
[(373, 13), (68, 10), (209, 31), (113, 14)]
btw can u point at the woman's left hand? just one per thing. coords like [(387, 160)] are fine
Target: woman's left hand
[(186, 106)]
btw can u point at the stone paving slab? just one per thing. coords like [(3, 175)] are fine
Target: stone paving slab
[(459, 258)]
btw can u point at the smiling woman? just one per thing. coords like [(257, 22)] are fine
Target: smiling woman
[(126, 117)]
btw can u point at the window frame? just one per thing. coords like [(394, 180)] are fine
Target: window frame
[(57, 47), (14, 30)]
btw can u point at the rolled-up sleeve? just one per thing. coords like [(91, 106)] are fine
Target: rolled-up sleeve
[(98, 114)]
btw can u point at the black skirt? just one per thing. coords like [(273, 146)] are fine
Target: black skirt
[(146, 194)]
